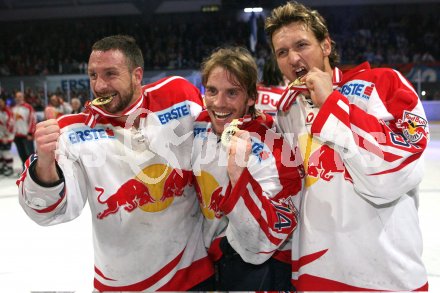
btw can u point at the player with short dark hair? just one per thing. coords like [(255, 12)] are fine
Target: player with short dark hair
[(128, 156)]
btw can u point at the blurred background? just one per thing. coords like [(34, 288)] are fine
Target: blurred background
[(45, 44), (44, 50)]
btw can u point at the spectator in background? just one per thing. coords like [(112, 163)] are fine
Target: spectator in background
[(56, 107), (75, 104), (7, 132), (270, 88), (427, 57), (25, 120)]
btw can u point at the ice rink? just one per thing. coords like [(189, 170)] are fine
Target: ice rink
[(60, 258)]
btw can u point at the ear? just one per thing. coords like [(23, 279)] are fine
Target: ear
[(326, 46), (138, 74), (250, 102)]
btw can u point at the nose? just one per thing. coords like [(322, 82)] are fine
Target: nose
[(220, 100), (99, 84), (294, 57)]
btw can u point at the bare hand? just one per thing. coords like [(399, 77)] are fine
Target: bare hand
[(46, 138), (239, 152), (319, 84)]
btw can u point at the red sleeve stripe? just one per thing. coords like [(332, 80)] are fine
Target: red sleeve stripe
[(258, 214), (401, 165), (233, 194), (50, 208), (262, 222), (67, 120), (332, 106), (383, 142), (375, 149), (142, 285)]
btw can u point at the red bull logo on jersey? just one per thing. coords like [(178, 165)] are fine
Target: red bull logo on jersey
[(175, 183), (130, 195), (413, 126), (152, 190), (321, 162), (324, 163), (209, 195), (266, 99), (80, 135)]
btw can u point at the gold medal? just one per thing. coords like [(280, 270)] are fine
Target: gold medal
[(102, 101), (229, 132), (297, 82)]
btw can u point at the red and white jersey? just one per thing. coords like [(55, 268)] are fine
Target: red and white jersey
[(268, 98), (25, 119), (7, 125), (147, 224), (259, 214), (362, 152)]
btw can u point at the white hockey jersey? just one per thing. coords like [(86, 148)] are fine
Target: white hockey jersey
[(147, 224), (259, 213), (25, 119), (362, 152), (7, 126), (267, 99)]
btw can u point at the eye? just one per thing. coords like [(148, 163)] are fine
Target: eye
[(210, 91), (302, 45), (110, 73), (92, 75), (232, 92), (281, 53)]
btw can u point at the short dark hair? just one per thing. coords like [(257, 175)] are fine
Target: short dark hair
[(124, 43)]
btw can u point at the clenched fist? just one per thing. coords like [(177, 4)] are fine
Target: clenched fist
[(239, 151), (46, 139)]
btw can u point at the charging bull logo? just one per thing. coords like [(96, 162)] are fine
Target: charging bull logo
[(413, 126), (324, 163), (131, 194), (216, 197), (209, 195), (152, 190), (175, 183)]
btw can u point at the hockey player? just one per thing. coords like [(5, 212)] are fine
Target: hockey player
[(361, 135), (7, 132), (247, 193), (129, 157), (25, 120)]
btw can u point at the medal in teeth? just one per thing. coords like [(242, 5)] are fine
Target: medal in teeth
[(102, 100), (229, 132), (297, 82)]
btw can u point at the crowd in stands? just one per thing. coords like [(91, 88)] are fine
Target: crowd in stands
[(43, 47), (62, 46)]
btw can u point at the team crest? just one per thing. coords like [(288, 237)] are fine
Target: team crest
[(413, 126)]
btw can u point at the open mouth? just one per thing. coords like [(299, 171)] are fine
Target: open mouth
[(103, 100), (222, 115), (300, 72)]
